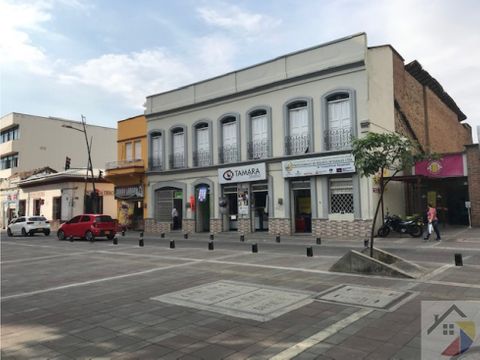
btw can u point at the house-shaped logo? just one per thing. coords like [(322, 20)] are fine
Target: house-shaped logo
[(463, 332)]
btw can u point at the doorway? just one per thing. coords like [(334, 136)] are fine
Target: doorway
[(202, 209), (302, 206), (169, 206), (260, 207), (231, 197)]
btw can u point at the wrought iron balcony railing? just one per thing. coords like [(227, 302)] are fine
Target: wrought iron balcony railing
[(156, 164), (228, 154), (258, 149), (297, 144), (123, 164), (202, 158), (177, 161), (338, 139)]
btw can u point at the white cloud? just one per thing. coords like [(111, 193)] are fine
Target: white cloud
[(232, 18)]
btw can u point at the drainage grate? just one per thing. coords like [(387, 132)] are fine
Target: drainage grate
[(367, 297), (249, 301)]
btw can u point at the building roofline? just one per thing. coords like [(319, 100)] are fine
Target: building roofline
[(131, 117), (261, 63), (389, 46), (55, 118)]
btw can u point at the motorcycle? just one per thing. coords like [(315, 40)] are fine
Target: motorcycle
[(394, 223)]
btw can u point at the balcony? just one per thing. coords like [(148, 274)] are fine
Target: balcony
[(177, 161), (297, 144), (228, 154), (259, 149), (338, 139), (202, 158), (122, 164), (155, 164)]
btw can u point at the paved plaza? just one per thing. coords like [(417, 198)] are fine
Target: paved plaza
[(81, 300)]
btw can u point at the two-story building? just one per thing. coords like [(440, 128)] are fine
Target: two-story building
[(127, 173), (268, 147)]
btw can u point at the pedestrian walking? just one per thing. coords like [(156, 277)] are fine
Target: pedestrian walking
[(432, 223), (175, 218)]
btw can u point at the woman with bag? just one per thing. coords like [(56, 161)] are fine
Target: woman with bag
[(432, 223)]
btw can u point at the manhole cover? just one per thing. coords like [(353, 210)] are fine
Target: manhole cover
[(363, 296), (256, 302)]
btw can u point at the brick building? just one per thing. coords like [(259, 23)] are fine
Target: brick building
[(268, 147)]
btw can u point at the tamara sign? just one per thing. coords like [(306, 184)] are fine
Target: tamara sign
[(245, 173), (325, 165)]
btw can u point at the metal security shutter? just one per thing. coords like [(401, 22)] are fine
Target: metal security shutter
[(163, 205)]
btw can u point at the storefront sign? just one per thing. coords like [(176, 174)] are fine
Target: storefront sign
[(129, 192), (325, 165), (245, 173), (446, 166)]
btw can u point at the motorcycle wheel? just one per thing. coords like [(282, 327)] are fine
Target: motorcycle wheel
[(383, 231), (415, 231)]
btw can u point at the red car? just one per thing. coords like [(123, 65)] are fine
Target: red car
[(88, 226)]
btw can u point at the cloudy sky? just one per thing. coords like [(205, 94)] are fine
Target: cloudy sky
[(102, 58)]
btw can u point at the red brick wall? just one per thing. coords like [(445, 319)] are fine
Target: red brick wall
[(445, 133), (473, 165)]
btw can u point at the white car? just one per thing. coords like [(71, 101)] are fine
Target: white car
[(28, 225)]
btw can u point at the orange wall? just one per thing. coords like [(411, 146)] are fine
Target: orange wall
[(131, 130)]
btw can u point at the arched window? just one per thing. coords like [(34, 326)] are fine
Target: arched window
[(298, 126), (229, 138), (178, 157), (157, 150), (339, 121), (202, 143), (259, 144)]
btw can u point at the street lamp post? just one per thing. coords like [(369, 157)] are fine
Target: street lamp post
[(89, 166)]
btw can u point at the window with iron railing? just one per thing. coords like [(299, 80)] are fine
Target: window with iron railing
[(177, 161), (338, 139), (228, 154), (297, 144), (202, 158), (341, 196), (155, 160), (258, 149), (155, 164)]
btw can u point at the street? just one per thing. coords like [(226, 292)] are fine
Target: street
[(82, 300)]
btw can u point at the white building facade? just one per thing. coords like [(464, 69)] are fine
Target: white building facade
[(268, 148)]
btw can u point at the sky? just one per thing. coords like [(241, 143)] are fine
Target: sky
[(65, 58)]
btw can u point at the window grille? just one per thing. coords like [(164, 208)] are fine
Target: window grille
[(341, 196)]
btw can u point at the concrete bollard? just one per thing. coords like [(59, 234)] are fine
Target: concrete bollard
[(162, 235), (319, 241), (309, 251), (242, 237), (172, 244), (210, 245), (140, 243), (185, 236), (212, 236), (458, 260), (115, 241), (365, 243), (277, 238), (254, 248)]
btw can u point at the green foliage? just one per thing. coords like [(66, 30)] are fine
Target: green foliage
[(391, 151)]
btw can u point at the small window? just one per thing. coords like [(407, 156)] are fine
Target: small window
[(138, 150), (156, 156), (341, 196), (20, 220), (75, 220), (85, 219), (228, 151), (128, 152), (298, 126)]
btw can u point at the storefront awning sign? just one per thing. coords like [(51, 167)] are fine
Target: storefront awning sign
[(238, 174), (447, 166), (325, 165), (129, 192)]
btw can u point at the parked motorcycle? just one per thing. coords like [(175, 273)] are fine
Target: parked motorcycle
[(394, 223)]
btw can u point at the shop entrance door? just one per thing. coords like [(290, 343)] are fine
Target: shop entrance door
[(260, 207), (166, 200), (230, 194), (302, 206), (202, 208)]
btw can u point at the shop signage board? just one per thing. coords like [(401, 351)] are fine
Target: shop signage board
[(238, 174), (447, 166), (129, 192), (325, 165)]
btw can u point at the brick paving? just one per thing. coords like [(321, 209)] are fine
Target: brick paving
[(63, 300)]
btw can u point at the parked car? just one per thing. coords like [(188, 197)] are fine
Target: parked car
[(88, 226), (28, 225)]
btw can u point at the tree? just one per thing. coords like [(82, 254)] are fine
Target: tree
[(376, 153)]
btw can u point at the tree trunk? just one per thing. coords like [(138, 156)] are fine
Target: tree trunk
[(380, 201)]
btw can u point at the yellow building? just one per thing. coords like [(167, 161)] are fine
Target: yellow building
[(127, 173)]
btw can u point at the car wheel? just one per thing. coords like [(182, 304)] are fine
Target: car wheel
[(46, 232), (89, 236), (24, 232), (9, 232), (61, 235)]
